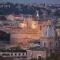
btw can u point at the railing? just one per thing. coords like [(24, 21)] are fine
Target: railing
[(13, 54)]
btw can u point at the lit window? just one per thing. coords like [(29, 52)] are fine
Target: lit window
[(22, 25), (34, 25)]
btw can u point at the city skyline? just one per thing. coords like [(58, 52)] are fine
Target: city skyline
[(33, 1)]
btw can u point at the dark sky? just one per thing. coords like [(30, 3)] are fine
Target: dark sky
[(33, 1)]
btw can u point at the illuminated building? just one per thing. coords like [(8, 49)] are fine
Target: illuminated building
[(47, 35), (29, 29), (58, 27), (57, 38), (58, 32)]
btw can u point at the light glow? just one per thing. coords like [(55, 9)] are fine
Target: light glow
[(34, 25), (23, 25)]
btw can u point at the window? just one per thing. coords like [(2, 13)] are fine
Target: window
[(11, 54), (23, 53), (19, 54), (15, 54)]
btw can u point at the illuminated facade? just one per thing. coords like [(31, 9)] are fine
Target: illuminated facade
[(30, 29)]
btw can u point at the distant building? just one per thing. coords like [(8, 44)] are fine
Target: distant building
[(57, 38), (36, 52), (13, 52), (15, 17)]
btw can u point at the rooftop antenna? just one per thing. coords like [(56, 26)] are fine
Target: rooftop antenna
[(37, 14)]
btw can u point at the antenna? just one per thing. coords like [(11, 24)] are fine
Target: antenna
[(37, 13)]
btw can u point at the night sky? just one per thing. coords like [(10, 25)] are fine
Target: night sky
[(33, 1)]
